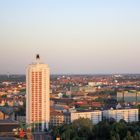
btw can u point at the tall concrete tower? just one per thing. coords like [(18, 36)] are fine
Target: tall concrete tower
[(38, 94)]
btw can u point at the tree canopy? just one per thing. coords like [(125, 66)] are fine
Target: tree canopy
[(82, 129)]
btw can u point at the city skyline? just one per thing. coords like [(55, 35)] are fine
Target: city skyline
[(73, 37)]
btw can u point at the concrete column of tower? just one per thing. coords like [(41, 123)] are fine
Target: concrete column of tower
[(38, 94)]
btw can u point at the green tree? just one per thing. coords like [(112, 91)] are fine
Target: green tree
[(113, 138), (83, 127), (128, 136), (137, 136), (117, 136), (103, 130), (6, 104), (4, 96)]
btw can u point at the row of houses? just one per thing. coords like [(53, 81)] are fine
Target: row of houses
[(58, 118), (128, 115)]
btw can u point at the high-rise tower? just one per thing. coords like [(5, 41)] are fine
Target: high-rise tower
[(38, 94)]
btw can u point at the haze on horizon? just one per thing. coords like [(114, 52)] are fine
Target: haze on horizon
[(72, 36)]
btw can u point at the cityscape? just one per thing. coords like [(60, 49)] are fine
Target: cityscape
[(69, 70), (39, 105)]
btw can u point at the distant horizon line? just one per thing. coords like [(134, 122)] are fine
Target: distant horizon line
[(80, 74)]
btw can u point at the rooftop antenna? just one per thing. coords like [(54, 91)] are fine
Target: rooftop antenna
[(37, 58)]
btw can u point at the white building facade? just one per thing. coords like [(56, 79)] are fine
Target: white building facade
[(94, 116), (38, 94), (129, 115)]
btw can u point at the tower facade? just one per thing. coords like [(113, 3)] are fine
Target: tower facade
[(38, 94)]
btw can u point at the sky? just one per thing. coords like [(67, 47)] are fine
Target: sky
[(71, 36)]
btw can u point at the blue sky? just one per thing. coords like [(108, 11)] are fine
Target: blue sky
[(72, 36)]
